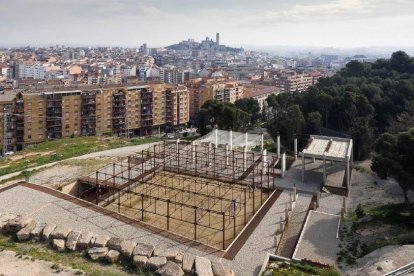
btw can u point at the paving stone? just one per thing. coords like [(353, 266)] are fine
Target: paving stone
[(112, 256), (203, 266), (170, 269), (84, 240), (59, 245), (114, 243), (16, 224), (60, 232), (96, 253), (188, 262), (37, 231), (24, 233), (127, 247), (49, 228), (100, 240), (139, 260), (143, 249), (156, 262), (72, 240)]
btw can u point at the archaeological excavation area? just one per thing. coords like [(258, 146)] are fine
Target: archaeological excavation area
[(205, 191)]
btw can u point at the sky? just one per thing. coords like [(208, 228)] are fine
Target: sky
[(334, 23)]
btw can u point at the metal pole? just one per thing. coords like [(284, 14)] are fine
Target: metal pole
[(224, 229), (168, 214), (142, 207)]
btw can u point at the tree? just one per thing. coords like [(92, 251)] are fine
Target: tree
[(223, 115), (287, 124), (314, 122), (250, 106), (396, 159)]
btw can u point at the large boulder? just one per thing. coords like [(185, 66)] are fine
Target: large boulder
[(72, 240), (100, 240), (37, 231), (126, 248), (96, 253), (203, 266), (49, 228), (188, 262), (143, 249), (112, 256), (59, 245), (60, 232), (170, 269), (24, 233), (154, 263), (139, 260), (84, 240)]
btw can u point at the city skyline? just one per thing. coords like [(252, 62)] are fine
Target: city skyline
[(338, 23)]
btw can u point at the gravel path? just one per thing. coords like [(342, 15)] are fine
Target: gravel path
[(250, 258), (292, 232), (118, 152)]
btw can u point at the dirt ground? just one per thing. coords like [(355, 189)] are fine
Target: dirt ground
[(69, 171), (369, 189), (13, 265), (383, 260)]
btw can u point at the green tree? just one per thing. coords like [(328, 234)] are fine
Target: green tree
[(287, 124), (250, 106), (396, 159), (314, 122)]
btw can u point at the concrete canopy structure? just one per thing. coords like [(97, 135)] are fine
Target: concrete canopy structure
[(328, 148)]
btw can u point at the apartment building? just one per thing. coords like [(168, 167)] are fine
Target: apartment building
[(223, 91), (260, 93), (291, 81), (34, 116)]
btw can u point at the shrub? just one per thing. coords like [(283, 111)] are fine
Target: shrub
[(359, 212)]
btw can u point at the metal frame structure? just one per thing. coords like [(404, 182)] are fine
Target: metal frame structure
[(187, 183)]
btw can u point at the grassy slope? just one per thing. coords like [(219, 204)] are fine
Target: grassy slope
[(76, 260), (57, 150)]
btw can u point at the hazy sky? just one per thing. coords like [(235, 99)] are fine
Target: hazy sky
[(338, 23)]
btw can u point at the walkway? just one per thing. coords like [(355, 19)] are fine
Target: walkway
[(294, 226), (249, 259)]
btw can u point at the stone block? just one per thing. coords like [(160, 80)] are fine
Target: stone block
[(188, 262), (4, 219), (170, 269), (127, 247), (114, 243), (100, 240), (219, 270), (49, 228), (16, 224), (96, 253), (143, 249), (24, 233), (139, 260), (168, 253), (59, 245), (84, 240), (60, 232), (72, 240), (203, 266), (154, 263), (37, 231), (178, 258), (112, 256)]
